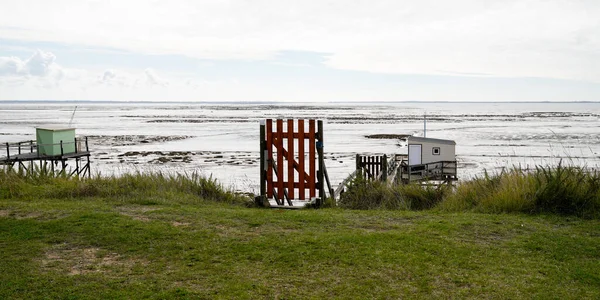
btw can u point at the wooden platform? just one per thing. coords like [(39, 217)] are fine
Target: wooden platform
[(26, 153), (35, 156)]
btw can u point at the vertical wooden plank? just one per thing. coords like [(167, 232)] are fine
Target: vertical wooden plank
[(290, 158), (384, 168), (301, 177), (361, 165), (373, 166), (373, 169), (280, 194), (311, 159), (371, 161), (269, 158), (263, 171), (321, 161), (379, 165)]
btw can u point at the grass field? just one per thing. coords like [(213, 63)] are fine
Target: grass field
[(63, 239)]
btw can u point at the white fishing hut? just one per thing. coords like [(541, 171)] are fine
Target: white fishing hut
[(427, 150), (428, 160)]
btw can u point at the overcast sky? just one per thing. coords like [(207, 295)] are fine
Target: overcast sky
[(308, 50)]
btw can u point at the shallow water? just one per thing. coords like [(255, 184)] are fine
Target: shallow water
[(222, 139)]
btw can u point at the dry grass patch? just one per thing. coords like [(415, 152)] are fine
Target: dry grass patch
[(180, 224), (73, 260), (138, 213)]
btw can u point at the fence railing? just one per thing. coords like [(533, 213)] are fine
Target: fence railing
[(17, 149)]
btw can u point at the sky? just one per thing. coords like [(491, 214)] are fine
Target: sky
[(300, 51)]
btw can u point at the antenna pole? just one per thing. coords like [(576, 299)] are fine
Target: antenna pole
[(72, 116), (425, 124)]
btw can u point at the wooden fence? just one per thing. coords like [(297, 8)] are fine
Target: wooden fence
[(292, 163)]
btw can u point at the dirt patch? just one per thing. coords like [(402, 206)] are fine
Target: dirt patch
[(21, 215), (180, 224), (136, 212), (178, 157), (130, 140), (30, 215), (387, 136), (81, 261)]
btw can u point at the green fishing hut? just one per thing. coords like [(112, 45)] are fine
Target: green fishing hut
[(51, 139)]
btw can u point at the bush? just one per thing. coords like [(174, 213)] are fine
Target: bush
[(566, 190), (365, 194)]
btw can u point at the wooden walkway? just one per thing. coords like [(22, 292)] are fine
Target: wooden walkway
[(24, 154)]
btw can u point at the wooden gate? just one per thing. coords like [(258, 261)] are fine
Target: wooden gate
[(373, 167), (289, 153)]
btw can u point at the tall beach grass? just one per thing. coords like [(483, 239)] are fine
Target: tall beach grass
[(142, 188), (562, 189)]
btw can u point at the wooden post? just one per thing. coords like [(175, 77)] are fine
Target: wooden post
[(311, 159), (301, 177), (87, 149), (280, 186), (384, 168), (7, 151), (358, 164), (320, 146), (370, 166), (61, 148), (269, 146), (77, 167), (263, 166), (290, 158)]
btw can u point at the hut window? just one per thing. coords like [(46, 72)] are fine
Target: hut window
[(436, 150)]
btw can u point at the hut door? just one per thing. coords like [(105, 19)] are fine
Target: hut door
[(414, 155)]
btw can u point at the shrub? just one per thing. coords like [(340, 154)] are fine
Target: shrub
[(365, 194), (567, 190)]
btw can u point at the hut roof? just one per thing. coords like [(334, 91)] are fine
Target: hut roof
[(430, 140)]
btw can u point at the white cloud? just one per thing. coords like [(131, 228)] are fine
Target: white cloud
[(40, 68), (40, 63), (152, 78), (540, 38), (108, 76), (10, 66)]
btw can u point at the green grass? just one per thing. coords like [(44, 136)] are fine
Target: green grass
[(156, 236)]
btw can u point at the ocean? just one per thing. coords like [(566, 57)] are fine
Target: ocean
[(222, 139)]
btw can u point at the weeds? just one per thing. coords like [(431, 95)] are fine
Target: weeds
[(565, 190), (138, 187), (365, 194)]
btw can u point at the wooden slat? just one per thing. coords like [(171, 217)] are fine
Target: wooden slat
[(295, 135), (371, 167), (363, 164), (301, 177), (378, 166), (295, 164), (279, 135), (311, 159), (269, 128), (290, 159)]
